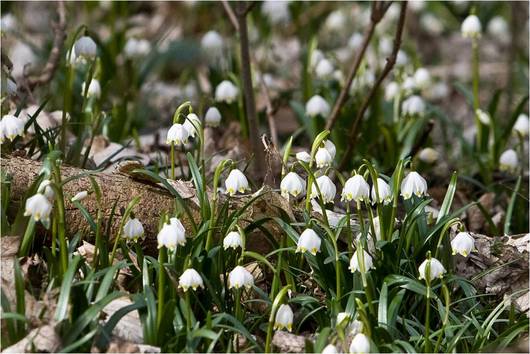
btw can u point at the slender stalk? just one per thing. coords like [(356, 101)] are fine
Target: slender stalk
[(61, 228), (350, 232), (172, 158), (162, 259), (476, 104), (275, 305), (188, 308), (427, 322)]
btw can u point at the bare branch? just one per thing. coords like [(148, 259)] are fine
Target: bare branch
[(231, 14)]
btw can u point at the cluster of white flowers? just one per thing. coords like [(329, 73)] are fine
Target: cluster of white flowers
[(172, 234)]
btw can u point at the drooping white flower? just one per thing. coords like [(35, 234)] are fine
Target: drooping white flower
[(323, 158), (177, 135), (133, 229), (284, 318), (232, 240), (385, 193), (483, 117), (471, 27), (190, 278), (212, 117), (192, 123), (8, 23), (212, 43), (136, 48), (303, 156), (240, 277), (317, 106), (431, 24), (422, 78), (226, 91), (94, 89), (324, 69), (292, 184), (360, 344), (330, 349), (463, 243), (85, 47), (355, 188), (328, 144), (508, 161), (408, 85), (316, 57), (413, 183), (417, 5), (11, 127), (172, 234), (361, 262), (391, 90), (343, 318), (79, 196), (499, 29), (402, 58), (308, 241), (236, 182), (276, 11), (327, 189), (335, 21), (46, 189), (355, 41), (437, 270), (521, 124), (38, 207), (428, 155), (437, 91), (413, 105)]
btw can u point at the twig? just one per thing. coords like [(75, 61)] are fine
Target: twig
[(269, 110), (54, 58), (231, 14), (386, 70), (378, 11)]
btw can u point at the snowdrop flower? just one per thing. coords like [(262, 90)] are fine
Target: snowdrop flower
[(361, 262), (303, 156), (94, 89), (327, 189), (437, 270), (355, 41), (413, 105), (343, 317), (192, 123), (177, 135), (135, 48), (324, 69), (172, 234), (355, 188), (11, 127), (232, 240), (417, 5), (284, 318), (391, 90), (385, 193), (212, 117), (330, 349), (79, 196), (236, 182), (521, 124), (46, 189), (498, 28), (276, 11), (483, 117), (413, 183), (422, 78), (308, 241), (360, 344), (292, 184), (471, 27), (133, 229), (463, 243), (38, 207), (508, 161), (190, 278), (8, 23), (335, 21), (212, 42), (323, 158), (240, 277), (431, 24), (428, 155), (317, 106), (409, 85), (328, 144), (402, 58), (85, 47), (226, 91), (316, 57)]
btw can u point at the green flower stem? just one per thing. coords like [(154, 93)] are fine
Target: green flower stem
[(61, 228), (361, 217), (350, 232), (220, 168), (427, 347), (162, 258), (128, 210), (476, 78), (275, 305), (188, 308), (237, 301)]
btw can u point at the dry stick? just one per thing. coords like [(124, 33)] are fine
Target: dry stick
[(231, 14), (377, 14), (269, 110), (386, 70), (47, 73)]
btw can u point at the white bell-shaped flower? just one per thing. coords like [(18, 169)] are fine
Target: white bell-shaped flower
[(356, 188), (422, 78), (428, 155), (521, 124), (284, 318), (483, 117), (226, 91), (212, 43), (240, 277), (413, 106), (330, 349), (391, 90), (355, 41), (323, 158), (385, 193), (38, 207), (328, 144), (85, 47), (327, 189), (413, 183), (177, 134), (409, 84), (463, 243), (136, 48), (46, 189), (308, 241), (236, 182), (11, 127), (94, 89), (360, 344), (317, 106), (79, 196), (437, 270), (190, 278), (324, 69), (431, 24), (343, 318), (192, 124), (212, 117), (133, 229), (361, 262), (172, 234), (292, 184), (498, 28), (276, 11), (471, 27), (335, 21), (232, 240), (508, 161), (303, 156)]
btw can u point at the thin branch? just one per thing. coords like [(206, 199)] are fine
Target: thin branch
[(375, 17), (231, 14), (386, 70)]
